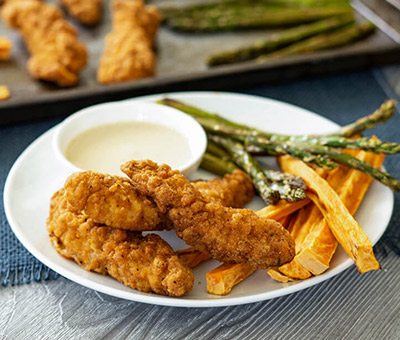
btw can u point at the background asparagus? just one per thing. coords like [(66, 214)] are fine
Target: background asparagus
[(278, 40), (246, 14), (323, 41), (170, 11), (240, 17)]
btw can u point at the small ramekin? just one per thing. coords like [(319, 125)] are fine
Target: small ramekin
[(131, 111)]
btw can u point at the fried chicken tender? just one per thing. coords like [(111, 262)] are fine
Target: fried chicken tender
[(146, 263), (226, 234), (128, 52), (56, 54), (233, 190), (87, 12), (114, 201)]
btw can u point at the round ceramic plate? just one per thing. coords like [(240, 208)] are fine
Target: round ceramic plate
[(37, 174)]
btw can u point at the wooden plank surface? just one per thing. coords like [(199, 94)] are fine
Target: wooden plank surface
[(349, 306)]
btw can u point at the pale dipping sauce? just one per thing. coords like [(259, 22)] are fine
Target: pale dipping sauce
[(105, 148)]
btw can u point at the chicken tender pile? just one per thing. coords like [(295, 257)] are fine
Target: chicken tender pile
[(56, 54), (113, 201), (96, 219), (146, 263), (128, 52), (226, 234), (87, 12)]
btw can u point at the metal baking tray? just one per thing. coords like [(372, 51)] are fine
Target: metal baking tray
[(181, 66)]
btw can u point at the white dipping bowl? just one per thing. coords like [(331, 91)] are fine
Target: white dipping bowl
[(133, 111)]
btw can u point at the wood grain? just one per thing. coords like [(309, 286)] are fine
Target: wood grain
[(349, 306)]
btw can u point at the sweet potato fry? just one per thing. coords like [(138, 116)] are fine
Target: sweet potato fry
[(294, 270), (285, 220), (4, 92), (278, 276), (320, 244), (315, 245), (298, 228), (344, 227), (192, 257), (5, 48), (281, 209), (222, 279)]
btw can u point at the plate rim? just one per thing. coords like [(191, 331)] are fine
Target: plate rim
[(159, 299)]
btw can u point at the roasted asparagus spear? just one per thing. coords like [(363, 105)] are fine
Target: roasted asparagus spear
[(277, 40)]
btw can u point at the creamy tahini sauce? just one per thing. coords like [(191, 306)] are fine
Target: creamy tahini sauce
[(105, 147)]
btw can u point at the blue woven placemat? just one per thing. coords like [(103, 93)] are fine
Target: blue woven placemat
[(341, 98)]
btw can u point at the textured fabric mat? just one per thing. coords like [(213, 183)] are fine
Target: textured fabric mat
[(341, 98)]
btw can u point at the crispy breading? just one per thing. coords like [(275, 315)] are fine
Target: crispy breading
[(233, 190), (87, 12), (113, 201), (226, 234), (56, 54), (128, 52), (146, 263)]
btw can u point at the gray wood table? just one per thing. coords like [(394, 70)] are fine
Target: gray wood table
[(349, 306)]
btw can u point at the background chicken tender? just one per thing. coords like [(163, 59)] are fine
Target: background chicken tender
[(56, 54), (128, 52), (87, 12)]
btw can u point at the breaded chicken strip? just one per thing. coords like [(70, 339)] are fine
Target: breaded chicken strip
[(87, 12), (146, 263), (233, 190), (128, 52), (226, 234), (56, 54), (114, 201)]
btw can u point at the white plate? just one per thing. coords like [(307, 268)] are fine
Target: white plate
[(37, 174)]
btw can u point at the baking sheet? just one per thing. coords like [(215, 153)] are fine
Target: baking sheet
[(181, 66)]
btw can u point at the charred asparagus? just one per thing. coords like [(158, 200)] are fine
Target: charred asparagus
[(240, 17), (310, 149), (278, 40), (323, 41)]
